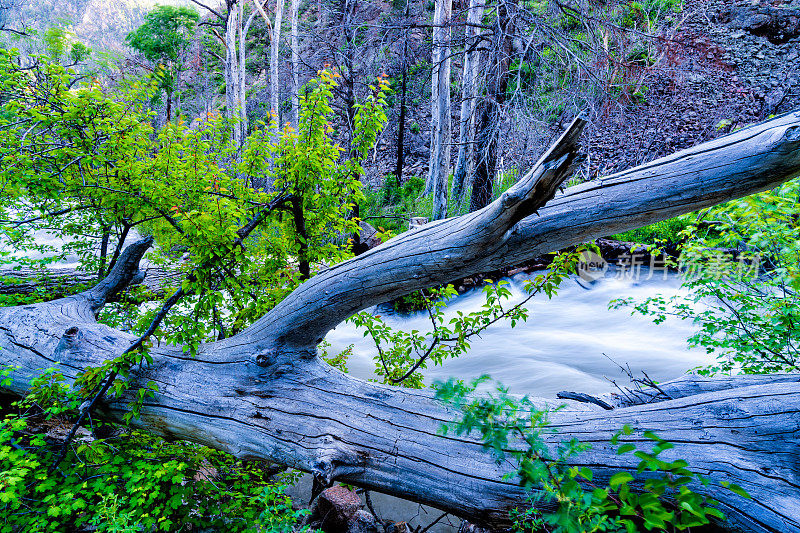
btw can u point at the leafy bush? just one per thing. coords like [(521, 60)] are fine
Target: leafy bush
[(746, 309), (513, 430), (130, 481)]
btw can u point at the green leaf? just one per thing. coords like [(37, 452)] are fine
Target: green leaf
[(619, 478), (735, 489)]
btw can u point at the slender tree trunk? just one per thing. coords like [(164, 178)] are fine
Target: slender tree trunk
[(242, 78), (348, 70), (298, 215), (232, 83), (490, 110), (401, 127), (101, 270), (273, 65), (169, 107), (434, 98), (486, 156), (295, 7), (468, 82), (242, 91), (440, 143), (401, 121)]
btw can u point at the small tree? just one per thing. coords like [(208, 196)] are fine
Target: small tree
[(163, 39)]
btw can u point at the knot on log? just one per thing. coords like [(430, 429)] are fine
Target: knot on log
[(793, 134), (334, 459), (69, 341), (266, 358)]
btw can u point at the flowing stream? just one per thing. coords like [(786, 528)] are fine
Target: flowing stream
[(571, 342)]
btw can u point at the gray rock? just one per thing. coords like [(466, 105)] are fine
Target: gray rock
[(363, 522), (334, 508), (773, 100)]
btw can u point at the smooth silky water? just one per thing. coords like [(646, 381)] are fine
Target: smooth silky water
[(570, 342)]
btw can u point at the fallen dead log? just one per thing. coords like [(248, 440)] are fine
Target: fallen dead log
[(59, 282), (263, 393)]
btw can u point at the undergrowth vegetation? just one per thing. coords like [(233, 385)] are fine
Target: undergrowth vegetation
[(745, 304), (568, 499), (122, 480)]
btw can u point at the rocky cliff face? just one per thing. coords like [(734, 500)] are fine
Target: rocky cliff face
[(722, 65), (726, 65), (101, 24)]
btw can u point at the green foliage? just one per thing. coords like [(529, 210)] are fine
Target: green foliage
[(278, 515), (336, 361), (746, 309), (84, 162), (516, 431), (165, 33), (125, 483), (665, 231), (164, 37), (645, 15), (398, 201)]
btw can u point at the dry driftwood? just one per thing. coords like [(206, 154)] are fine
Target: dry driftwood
[(265, 394)]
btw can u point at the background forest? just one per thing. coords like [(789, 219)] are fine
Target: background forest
[(255, 144)]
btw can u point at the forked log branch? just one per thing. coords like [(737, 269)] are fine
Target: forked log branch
[(264, 393)]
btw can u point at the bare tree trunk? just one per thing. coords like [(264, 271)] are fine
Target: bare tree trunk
[(263, 393), (490, 110), (401, 127), (178, 93), (440, 143), (401, 121), (273, 65), (232, 76), (486, 156), (468, 82), (295, 7), (242, 79)]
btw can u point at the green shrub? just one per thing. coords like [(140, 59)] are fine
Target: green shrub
[(564, 498), (754, 321), (664, 231), (132, 481)]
